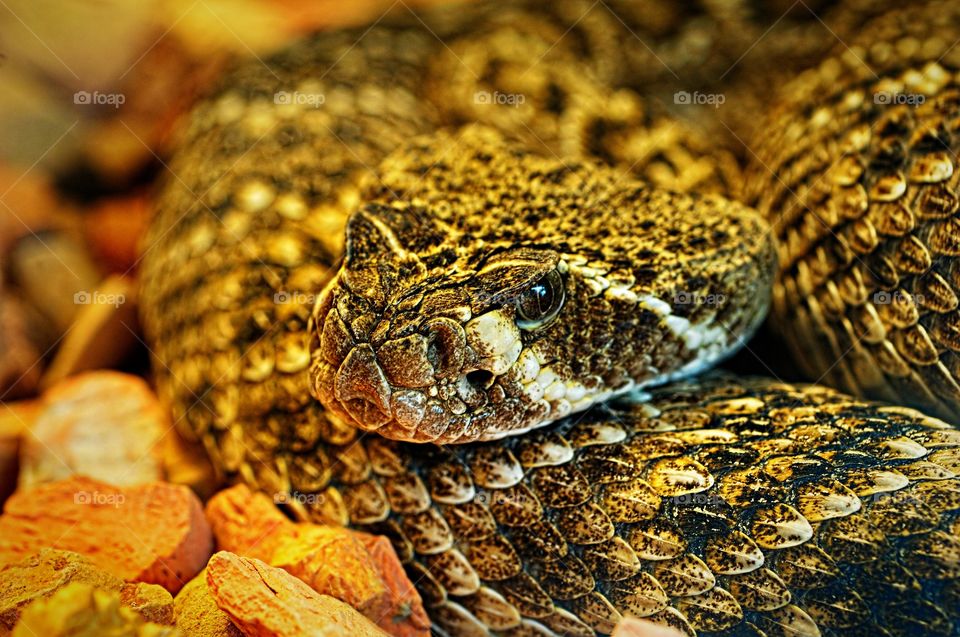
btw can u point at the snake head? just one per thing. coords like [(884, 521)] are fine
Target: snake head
[(488, 291), (419, 340)]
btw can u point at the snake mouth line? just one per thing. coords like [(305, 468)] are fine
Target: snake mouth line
[(475, 405)]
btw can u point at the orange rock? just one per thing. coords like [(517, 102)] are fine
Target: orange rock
[(113, 229), (407, 617), (264, 601), (197, 613), (43, 574), (360, 569), (246, 523), (80, 610), (104, 424), (154, 533), (332, 561), (150, 601), (40, 576)]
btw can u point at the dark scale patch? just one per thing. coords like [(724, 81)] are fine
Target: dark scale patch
[(439, 260), (703, 514)]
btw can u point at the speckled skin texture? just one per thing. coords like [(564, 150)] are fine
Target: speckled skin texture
[(857, 171), (732, 507), (419, 337), (725, 506)]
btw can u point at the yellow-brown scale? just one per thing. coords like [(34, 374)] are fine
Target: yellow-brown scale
[(856, 169)]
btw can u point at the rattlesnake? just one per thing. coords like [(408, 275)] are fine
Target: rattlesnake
[(497, 277)]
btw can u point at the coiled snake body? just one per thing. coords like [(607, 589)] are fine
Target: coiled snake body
[(869, 279), (497, 278)]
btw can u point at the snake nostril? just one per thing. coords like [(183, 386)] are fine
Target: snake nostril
[(480, 379), (446, 344)]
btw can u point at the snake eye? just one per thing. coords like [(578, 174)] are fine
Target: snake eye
[(540, 304)]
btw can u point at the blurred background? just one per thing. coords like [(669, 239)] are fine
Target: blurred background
[(91, 93), (92, 90)]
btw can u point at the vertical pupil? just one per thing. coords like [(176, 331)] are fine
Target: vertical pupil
[(540, 303)]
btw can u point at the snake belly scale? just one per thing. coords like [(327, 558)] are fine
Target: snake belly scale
[(494, 279)]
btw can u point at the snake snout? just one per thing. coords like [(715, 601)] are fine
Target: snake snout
[(362, 389)]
